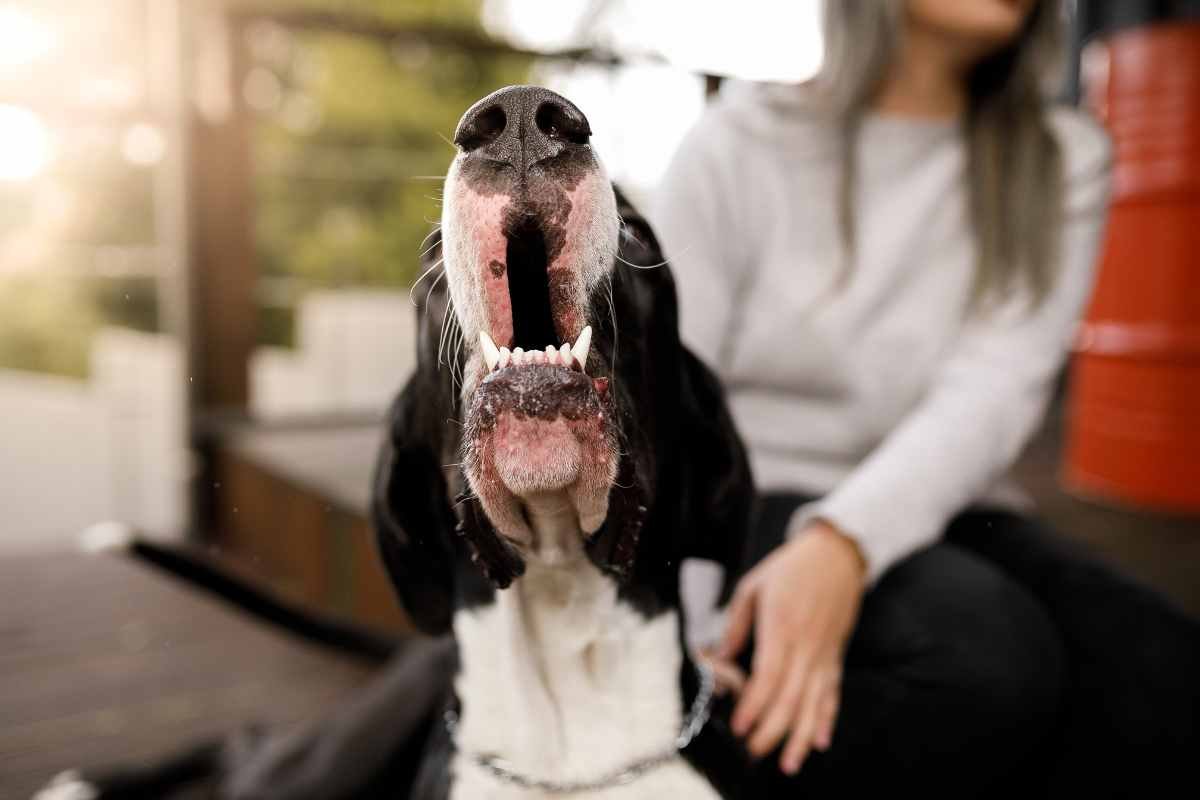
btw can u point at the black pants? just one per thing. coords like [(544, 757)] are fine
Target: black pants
[(953, 681)]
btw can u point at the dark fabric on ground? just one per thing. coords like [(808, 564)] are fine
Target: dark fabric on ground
[(1131, 721)]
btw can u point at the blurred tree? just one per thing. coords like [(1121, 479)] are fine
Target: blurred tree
[(348, 130), (351, 136), (46, 324)]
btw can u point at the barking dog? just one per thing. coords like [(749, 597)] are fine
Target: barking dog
[(542, 482)]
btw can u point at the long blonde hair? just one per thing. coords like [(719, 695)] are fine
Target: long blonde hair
[(1014, 166)]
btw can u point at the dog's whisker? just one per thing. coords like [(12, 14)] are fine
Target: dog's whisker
[(437, 226), (429, 249), (612, 312), (417, 282), (433, 285), (446, 318), (641, 266), (427, 177), (445, 139), (456, 362)]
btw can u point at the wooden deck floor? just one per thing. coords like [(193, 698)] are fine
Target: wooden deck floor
[(104, 661)]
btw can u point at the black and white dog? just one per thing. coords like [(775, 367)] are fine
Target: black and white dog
[(555, 457), (542, 482)]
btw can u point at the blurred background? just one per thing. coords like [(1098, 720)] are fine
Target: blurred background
[(210, 219)]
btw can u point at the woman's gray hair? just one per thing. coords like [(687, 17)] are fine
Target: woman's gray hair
[(1014, 166)]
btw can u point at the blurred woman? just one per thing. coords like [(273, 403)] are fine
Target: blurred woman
[(885, 268)]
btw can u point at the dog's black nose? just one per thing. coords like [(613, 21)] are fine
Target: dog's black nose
[(521, 125)]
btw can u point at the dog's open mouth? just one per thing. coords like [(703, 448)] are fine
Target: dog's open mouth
[(536, 339), (537, 422)]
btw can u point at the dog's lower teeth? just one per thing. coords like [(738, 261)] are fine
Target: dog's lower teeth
[(567, 355)]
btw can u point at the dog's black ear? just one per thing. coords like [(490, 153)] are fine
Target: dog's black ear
[(702, 482), (717, 485), (410, 508)]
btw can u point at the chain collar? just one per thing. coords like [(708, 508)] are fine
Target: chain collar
[(696, 718)]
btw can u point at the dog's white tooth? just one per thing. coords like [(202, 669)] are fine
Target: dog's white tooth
[(551, 354), (537, 357), (580, 349), (518, 356), (505, 357), (564, 354), (490, 354)]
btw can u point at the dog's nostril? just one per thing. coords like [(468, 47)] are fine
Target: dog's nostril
[(483, 128), (556, 121)]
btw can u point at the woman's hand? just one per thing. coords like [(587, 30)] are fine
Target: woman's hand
[(802, 601)]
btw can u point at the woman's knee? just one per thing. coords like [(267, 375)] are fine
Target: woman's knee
[(956, 628)]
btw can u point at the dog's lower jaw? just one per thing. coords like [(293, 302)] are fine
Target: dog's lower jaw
[(562, 680)]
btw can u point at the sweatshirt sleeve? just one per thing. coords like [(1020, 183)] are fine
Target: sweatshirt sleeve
[(989, 393), (697, 225)]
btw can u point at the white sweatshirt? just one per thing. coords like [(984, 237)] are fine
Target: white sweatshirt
[(887, 397)]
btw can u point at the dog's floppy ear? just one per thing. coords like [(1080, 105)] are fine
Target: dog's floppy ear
[(717, 485), (704, 465), (410, 509)]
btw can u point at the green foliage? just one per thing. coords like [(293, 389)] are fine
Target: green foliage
[(46, 324), (47, 321), (343, 197), (349, 200), (459, 12)]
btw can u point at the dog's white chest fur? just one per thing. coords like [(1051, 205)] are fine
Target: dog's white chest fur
[(566, 683)]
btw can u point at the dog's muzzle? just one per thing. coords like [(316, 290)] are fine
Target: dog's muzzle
[(529, 232)]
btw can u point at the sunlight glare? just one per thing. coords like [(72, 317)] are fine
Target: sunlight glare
[(23, 38), (24, 144)]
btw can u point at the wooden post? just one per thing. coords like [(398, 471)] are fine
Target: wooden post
[(224, 273)]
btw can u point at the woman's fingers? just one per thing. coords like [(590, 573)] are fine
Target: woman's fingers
[(829, 710), (766, 673), (739, 618), (804, 726), (782, 711), (727, 675)]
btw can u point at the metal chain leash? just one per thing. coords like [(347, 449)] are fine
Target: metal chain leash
[(696, 718)]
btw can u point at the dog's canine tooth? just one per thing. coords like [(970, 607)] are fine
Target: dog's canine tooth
[(580, 350), (490, 354), (505, 357)]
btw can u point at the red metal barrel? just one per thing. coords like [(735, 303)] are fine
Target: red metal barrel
[(1134, 421)]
